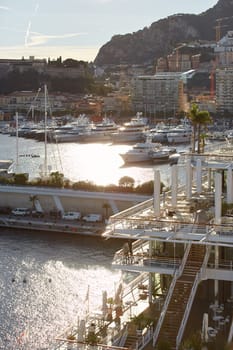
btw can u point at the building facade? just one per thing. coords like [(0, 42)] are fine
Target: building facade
[(224, 50), (160, 95), (224, 90)]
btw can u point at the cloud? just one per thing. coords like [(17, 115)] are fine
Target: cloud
[(5, 8), (85, 53), (27, 35), (35, 39)]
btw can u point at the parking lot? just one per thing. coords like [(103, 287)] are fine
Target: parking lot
[(52, 221)]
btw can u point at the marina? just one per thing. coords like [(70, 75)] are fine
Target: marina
[(76, 161), (177, 236), (170, 217), (116, 191)]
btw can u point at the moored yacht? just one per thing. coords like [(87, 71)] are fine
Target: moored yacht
[(131, 131), (147, 152), (70, 132), (179, 134), (159, 134), (99, 132)]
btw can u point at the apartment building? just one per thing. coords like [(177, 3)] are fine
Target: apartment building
[(224, 90), (159, 95), (224, 50)]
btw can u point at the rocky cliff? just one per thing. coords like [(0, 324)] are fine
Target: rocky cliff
[(150, 43)]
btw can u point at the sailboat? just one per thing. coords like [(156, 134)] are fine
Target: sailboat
[(45, 169)]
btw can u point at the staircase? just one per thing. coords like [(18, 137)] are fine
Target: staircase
[(181, 293), (132, 337), (131, 341)]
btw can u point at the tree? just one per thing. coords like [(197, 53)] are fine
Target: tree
[(126, 181), (194, 342), (33, 199), (56, 179), (106, 206), (199, 119), (20, 179)]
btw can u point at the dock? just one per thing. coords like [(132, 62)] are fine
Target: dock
[(48, 224)]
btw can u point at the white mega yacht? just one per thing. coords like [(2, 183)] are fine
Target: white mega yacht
[(179, 134), (131, 131), (147, 152)]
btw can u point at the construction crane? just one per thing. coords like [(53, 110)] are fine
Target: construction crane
[(212, 80)]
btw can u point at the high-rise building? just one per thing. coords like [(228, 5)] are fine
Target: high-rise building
[(224, 90), (159, 95)]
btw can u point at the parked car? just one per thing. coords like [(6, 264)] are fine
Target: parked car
[(21, 211), (71, 215), (92, 218)]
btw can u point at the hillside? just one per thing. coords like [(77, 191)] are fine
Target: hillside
[(150, 43)]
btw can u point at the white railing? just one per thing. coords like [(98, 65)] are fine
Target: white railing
[(170, 293), (134, 283), (187, 310), (191, 298), (132, 210), (120, 338), (145, 339), (165, 306), (184, 260), (230, 335)]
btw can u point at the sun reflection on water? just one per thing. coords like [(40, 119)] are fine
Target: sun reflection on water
[(44, 287)]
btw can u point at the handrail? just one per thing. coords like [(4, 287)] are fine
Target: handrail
[(165, 306), (169, 294), (145, 339), (230, 335), (134, 283), (184, 260), (191, 298), (121, 338), (187, 310)]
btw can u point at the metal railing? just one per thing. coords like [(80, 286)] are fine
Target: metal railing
[(169, 294), (165, 306), (191, 298)]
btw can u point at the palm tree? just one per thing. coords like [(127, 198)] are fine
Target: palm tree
[(56, 179), (199, 119), (106, 206), (33, 199)]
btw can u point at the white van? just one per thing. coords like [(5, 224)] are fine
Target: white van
[(92, 218)]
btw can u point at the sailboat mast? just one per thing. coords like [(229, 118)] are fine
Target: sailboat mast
[(45, 133), (17, 138)]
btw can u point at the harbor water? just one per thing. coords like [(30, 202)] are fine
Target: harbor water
[(44, 278), (95, 162), (44, 283)]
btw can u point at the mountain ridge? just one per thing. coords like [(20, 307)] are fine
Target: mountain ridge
[(161, 37)]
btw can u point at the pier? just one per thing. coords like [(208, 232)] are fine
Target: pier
[(60, 201)]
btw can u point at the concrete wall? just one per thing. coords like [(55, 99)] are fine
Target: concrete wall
[(83, 201)]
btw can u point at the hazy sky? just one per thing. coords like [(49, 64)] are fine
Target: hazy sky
[(78, 28)]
